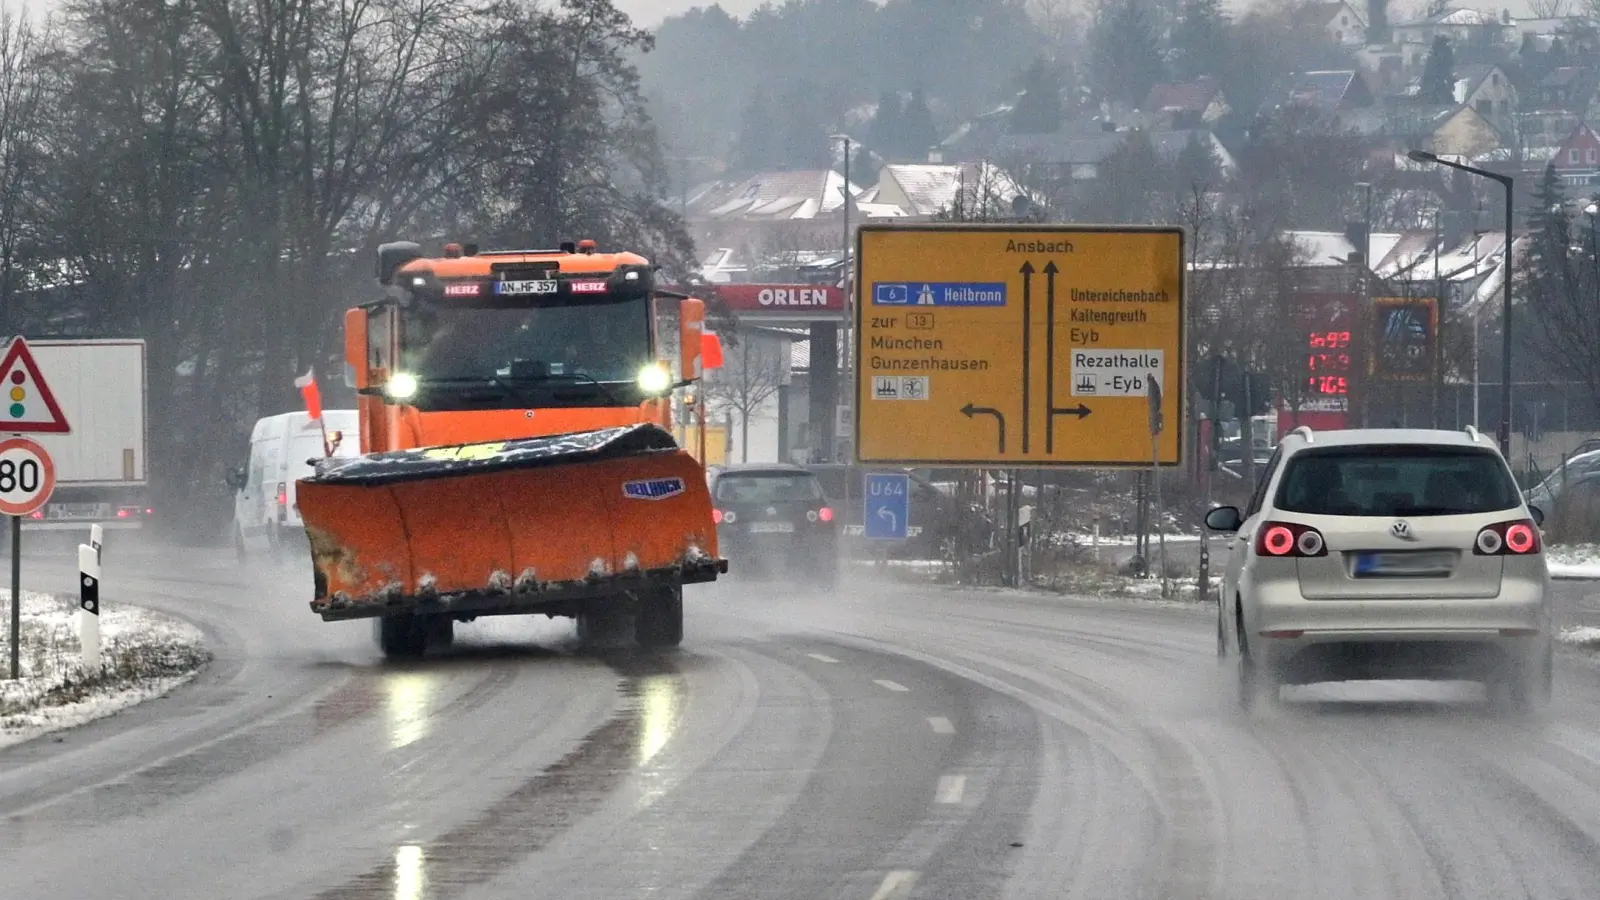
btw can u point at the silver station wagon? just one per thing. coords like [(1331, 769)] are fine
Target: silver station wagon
[(1376, 554)]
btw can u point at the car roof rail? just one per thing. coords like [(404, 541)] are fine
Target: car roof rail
[(1305, 432), (1474, 435)]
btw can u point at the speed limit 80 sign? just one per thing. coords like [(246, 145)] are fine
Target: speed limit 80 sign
[(27, 476)]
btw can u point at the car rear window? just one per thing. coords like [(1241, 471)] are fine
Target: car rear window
[(1396, 480), (767, 487)]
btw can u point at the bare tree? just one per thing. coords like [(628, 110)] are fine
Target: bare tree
[(752, 374), (1062, 24), (22, 99)]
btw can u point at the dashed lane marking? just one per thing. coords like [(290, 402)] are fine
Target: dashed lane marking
[(886, 684), (896, 884), (941, 725), (820, 658), (950, 788)]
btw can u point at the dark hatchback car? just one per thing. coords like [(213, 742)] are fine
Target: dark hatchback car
[(773, 519)]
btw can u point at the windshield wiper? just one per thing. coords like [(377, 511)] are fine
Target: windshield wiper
[(471, 381), (570, 377)]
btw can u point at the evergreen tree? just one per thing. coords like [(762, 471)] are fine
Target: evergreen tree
[(886, 132), (1197, 164), (1377, 21), (917, 127), (1200, 40), (1438, 73), (1127, 183), (1038, 110), (1548, 231), (1545, 267), (786, 130), (1125, 53), (753, 147)]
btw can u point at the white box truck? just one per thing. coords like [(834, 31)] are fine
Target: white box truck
[(100, 464)]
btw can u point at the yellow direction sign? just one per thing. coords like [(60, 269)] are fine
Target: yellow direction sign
[(1018, 346)]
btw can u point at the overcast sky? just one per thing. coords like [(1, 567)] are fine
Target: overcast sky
[(649, 13)]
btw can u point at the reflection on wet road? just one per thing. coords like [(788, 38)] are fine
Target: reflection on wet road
[(882, 742), (525, 820)]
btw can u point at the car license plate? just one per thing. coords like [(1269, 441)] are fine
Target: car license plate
[(541, 286), (1428, 563), (79, 511), (772, 527)]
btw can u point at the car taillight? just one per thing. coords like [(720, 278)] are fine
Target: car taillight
[(716, 516), (825, 514), (1286, 539), (283, 494), (1518, 537), (124, 512)]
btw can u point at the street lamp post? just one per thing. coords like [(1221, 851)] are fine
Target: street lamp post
[(1506, 182), (845, 282), (1368, 270)]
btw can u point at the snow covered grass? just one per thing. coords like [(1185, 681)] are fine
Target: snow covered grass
[(1087, 581), (1573, 560), (143, 654), (1583, 637)]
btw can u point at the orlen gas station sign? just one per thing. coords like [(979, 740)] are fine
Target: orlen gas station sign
[(783, 301), (776, 302)]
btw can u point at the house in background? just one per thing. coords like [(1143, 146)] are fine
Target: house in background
[(1193, 104), (1339, 20)]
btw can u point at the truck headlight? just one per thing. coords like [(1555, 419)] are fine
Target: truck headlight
[(653, 379), (401, 386)]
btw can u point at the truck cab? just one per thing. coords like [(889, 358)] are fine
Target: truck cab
[(491, 345)]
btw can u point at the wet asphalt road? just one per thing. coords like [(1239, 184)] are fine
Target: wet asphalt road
[(886, 741)]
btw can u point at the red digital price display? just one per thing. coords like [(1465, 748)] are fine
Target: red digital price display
[(1328, 363)]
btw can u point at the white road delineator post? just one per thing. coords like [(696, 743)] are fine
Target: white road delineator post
[(89, 606)]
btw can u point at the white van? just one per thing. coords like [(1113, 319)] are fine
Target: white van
[(266, 519)]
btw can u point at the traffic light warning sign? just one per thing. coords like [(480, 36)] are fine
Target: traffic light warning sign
[(26, 404)]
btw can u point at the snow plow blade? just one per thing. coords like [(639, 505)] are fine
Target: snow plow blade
[(507, 526)]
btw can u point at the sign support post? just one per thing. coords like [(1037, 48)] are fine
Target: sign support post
[(27, 474), (16, 597), (1153, 391)]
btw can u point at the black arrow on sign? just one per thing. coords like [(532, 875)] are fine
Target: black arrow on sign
[(969, 411), (1080, 411), (1050, 271), (1027, 344)]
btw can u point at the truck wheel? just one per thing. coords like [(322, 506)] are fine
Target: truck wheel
[(440, 631), (602, 625), (402, 636), (659, 620)]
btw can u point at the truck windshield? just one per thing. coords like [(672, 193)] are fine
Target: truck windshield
[(606, 340)]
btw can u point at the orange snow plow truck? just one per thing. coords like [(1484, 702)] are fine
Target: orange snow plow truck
[(516, 456)]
